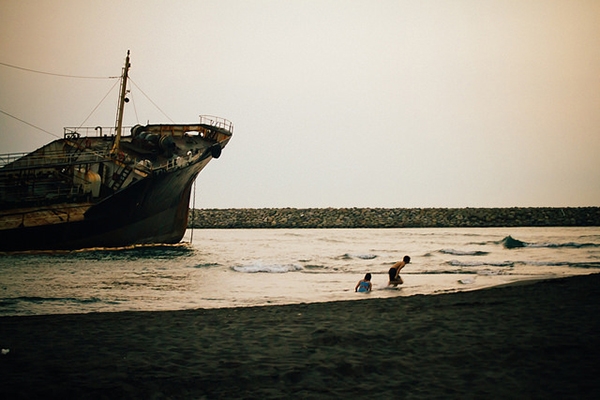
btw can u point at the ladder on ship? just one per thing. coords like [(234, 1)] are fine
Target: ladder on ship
[(76, 149), (121, 177)]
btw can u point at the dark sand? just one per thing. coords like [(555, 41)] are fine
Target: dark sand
[(538, 340)]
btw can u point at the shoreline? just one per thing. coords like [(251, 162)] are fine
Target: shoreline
[(535, 340), (275, 290)]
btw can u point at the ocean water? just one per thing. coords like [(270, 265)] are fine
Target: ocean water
[(236, 268)]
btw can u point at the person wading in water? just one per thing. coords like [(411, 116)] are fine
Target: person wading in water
[(394, 272)]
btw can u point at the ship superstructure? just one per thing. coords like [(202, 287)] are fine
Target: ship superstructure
[(97, 187)]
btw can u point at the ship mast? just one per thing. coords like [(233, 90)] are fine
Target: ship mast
[(122, 100)]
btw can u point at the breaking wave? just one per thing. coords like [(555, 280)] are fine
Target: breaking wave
[(511, 243), (206, 265), (268, 268), (364, 256), (464, 252), (571, 245), (467, 264), (349, 256), (456, 263)]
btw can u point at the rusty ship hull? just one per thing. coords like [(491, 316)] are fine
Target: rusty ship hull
[(74, 193), (97, 187), (153, 210)]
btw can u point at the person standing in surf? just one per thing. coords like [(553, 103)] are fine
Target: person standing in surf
[(394, 272)]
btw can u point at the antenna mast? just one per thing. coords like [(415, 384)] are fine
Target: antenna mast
[(119, 123)]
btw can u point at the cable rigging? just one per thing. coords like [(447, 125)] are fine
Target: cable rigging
[(80, 77), (150, 100), (98, 105), (27, 123), (55, 74)]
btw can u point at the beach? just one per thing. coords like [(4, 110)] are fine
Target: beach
[(525, 340)]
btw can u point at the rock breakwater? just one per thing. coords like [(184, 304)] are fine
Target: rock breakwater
[(250, 218)]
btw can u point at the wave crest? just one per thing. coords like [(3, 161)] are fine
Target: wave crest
[(464, 252), (268, 268), (349, 256), (511, 243), (456, 263)]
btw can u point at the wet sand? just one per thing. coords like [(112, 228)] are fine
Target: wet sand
[(527, 340)]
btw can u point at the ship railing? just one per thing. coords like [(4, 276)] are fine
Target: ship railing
[(101, 131), (10, 157), (177, 163), (20, 161), (180, 162), (89, 131), (217, 122)]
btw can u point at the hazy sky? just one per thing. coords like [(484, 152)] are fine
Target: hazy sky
[(404, 103)]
